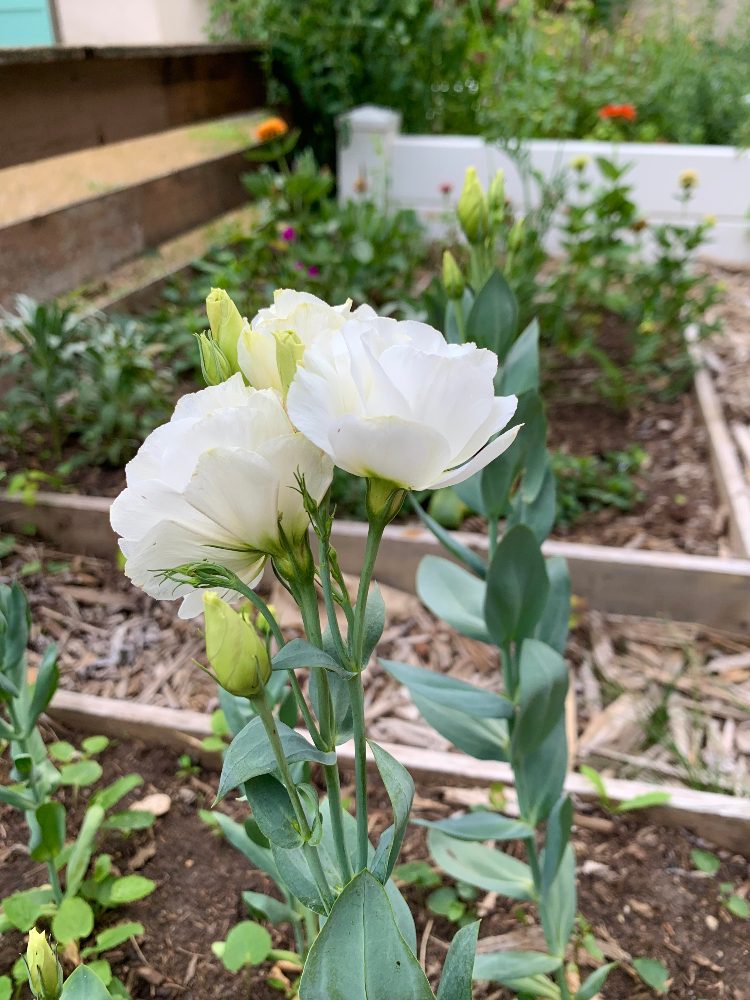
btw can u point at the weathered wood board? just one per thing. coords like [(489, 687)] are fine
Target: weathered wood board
[(55, 100)]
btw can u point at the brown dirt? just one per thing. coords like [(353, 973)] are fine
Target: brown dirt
[(637, 891)]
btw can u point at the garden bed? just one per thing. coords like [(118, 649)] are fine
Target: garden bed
[(653, 699), (637, 890)]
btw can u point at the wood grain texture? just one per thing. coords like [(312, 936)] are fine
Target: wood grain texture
[(701, 589), (50, 254), (722, 819), (54, 101)]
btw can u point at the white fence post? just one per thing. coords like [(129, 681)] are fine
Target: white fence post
[(365, 141)]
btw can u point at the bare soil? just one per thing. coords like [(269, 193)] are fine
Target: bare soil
[(637, 891)]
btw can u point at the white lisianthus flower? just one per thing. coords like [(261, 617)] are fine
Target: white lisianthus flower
[(394, 401), (273, 343), (212, 484)]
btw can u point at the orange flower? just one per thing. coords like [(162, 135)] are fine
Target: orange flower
[(271, 128), (625, 111)]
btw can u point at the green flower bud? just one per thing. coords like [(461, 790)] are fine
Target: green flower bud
[(234, 649), (496, 196), (472, 208), (516, 234), (226, 324), (453, 280), (45, 972), (383, 500), (214, 363), (289, 351)]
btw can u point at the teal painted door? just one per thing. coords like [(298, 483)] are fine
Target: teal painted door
[(25, 22)]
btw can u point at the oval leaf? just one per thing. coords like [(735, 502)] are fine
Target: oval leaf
[(517, 586), (484, 867), (481, 826)]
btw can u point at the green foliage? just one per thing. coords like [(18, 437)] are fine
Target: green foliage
[(646, 801), (653, 973), (548, 75), (327, 60), (81, 882), (588, 483), (81, 382)]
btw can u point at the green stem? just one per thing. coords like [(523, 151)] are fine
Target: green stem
[(311, 855), (458, 312), (305, 711), (492, 536), (325, 582), (54, 881), (536, 873), (374, 536), (356, 696), (336, 809)]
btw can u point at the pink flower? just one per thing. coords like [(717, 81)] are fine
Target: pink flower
[(446, 188), (289, 234), (313, 271), (299, 266)]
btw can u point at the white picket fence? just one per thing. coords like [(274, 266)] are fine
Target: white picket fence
[(415, 171)]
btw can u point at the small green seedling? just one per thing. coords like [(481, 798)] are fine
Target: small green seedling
[(187, 767), (645, 801), (654, 974), (709, 864)]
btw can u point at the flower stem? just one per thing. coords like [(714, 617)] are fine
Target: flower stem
[(356, 696), (54, 881), (536, 873), (311, 854), (335, 808)]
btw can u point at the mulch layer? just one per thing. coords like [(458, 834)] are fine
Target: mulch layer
[(653, 699)]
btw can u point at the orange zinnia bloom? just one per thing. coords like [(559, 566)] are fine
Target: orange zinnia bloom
[(625, 111), (271, 128)]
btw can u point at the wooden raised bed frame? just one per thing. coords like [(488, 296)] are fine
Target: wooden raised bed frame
[(722, 819)]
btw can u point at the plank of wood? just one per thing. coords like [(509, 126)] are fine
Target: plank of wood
[(704, 589), (722, 819), (733, 487), (82, 97), (50, 254)]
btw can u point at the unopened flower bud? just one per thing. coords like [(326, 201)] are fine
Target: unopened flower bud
[(384, 500), (214, 363), (496, 196), (453, 280), (237, 654), (45, 972), (289, 351), (472, 208), (516, 234), (226, 324)]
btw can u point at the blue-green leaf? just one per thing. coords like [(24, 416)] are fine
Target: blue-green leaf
[(543, 685), (448, 540), (558, 909), (250, 754), (594, 982), (300, 653), (559, 825), (454, 595), (349, 962), (238, 837), (455, 982), (540, 775), (374, 622), (272, 910), (45, 685), (273, 811), (517, 586), (492, 321), (552, 627), (449, 691), (485, 867), (47, 831), (400, 788), (520, 373), (84, 984), (480, 825), (508, 966)]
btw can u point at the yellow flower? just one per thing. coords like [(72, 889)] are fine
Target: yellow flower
[(45, 973), (271, 128), (688, 179), (710, 220), (580, 162)]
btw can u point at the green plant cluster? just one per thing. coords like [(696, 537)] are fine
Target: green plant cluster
[(82, 885), (79, 383), (528, 69), (322, 61), (588, 483)]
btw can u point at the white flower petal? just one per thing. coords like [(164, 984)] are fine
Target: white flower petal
[(400, 451), (483, 458)]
